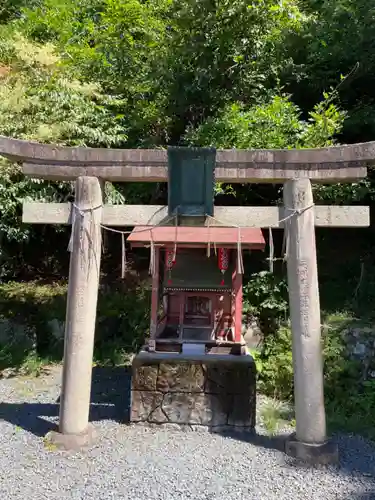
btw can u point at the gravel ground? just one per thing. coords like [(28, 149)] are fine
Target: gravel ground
[(131, 462)]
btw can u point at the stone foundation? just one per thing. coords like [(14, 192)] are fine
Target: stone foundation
[(218, 394)]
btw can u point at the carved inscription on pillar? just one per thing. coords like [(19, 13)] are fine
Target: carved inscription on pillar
[(304, 289), (300, 199)]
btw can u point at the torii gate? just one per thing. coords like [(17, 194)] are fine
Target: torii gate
[(296, 169)]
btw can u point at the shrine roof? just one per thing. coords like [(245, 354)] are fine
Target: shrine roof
[(251, 237)]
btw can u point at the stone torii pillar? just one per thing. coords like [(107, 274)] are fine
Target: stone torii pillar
[(84, 271), (310, 440)]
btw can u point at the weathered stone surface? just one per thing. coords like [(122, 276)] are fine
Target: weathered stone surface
[(180, 408), (326, 453), (140, 215), (144, 378), (180, 377), (57, 329), (198, 409), (20, 334), (230, 379), (305, 316), (215, 396), (144, 403), (158, 416), (72, 442), (335, 163), (242, 412)]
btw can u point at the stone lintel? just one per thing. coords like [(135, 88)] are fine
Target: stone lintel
[(140, 215), (228, 172), (334, 164)]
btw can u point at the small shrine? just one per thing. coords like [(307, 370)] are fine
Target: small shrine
[(189, 372), (196, 264), (197, 287)]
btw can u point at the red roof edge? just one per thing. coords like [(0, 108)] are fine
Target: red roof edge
[(251, 237)]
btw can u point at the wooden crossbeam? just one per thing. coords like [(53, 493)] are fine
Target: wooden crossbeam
[(141, 215)]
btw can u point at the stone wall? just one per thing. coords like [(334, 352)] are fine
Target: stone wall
[(218, 395)]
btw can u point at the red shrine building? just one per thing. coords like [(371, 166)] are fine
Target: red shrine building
[(197, 285), (197, 268)]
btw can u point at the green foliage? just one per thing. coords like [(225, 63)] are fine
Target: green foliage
[(14, 188), (143, 52), (276, 375), (223, 52), (123, 322), (38, 101), (356, 412), (276, 124), (11, 9), (341, 372), (271, 125), (117, 45), (265, 296), (274, 360), (22, 346), (275, 414), (341, 194), (32, 310), (338, 38), (349, 397)]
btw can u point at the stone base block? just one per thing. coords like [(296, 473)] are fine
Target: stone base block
[(314, 454), (72, 442), (217, 395)]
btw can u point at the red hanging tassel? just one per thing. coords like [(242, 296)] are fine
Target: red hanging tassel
[(170, 261), (223, 262)]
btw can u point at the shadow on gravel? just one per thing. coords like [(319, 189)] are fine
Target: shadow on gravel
[(110, 400), (30, 416), (110, 394), (356, 455), (369, 495), (276, 443)]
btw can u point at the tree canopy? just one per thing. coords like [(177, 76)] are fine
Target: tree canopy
[(148, 73)]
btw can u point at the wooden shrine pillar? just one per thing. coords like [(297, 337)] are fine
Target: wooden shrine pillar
[(310, 440), (155, 295), (237, 300), (84, 271)]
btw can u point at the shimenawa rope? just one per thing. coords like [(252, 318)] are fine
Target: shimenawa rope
[(82, 212)]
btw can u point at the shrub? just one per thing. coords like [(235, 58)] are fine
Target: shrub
[(349, 398), (265, 296), (32, 319), (275, 366)]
